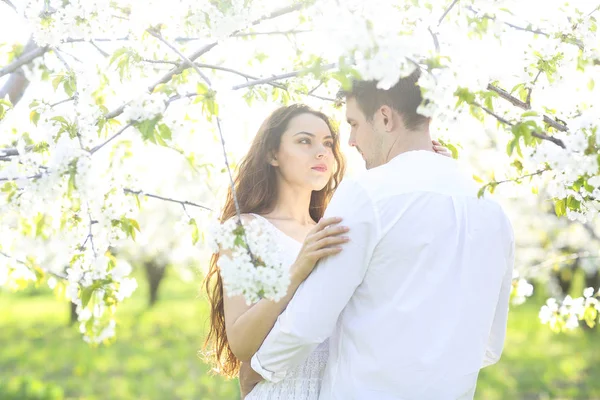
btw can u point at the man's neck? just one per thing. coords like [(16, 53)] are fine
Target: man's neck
[(412, 141)]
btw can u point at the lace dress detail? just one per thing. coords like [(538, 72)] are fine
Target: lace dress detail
[(304, 381)]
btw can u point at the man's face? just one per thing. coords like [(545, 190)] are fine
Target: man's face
[(364, 135)]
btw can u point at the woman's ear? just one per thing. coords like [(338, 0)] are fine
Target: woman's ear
[(273, 160)]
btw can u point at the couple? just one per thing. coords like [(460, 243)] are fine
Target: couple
[(409, 298)]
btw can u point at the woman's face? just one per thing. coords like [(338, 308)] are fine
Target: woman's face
[(305, 155)]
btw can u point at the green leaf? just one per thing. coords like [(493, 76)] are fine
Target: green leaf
[(34, 116), (589, 315), (118, 53), (60, 119), (134, 224), (201, 89), (56, 81), (146, 128), (481, 192), (573, 203), (71, 184), (165, 131), (530, 114), (560, 207), (86, 295), (477, 179), (195, 232)]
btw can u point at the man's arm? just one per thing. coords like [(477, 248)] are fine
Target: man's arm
[(311, 315), (495, 344)]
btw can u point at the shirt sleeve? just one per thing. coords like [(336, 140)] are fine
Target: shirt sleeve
[(498, 332), (311, 315)]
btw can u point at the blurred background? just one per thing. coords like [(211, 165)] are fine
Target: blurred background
[(155, 356)]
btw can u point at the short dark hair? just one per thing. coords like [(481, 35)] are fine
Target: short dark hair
[(404, 97)]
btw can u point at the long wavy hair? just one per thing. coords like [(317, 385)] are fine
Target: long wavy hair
[(256, 190)]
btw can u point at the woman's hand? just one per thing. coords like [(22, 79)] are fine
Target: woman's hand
[(438, 148), (248, 379), (322, 241)]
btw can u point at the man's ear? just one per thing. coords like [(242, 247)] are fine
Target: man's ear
[(387, 118)]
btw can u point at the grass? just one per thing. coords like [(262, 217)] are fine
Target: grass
[(155, 356)]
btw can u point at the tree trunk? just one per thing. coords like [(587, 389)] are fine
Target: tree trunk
[(73, 310), (154, 273)]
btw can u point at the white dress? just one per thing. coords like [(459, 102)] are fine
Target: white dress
[(304, 381)]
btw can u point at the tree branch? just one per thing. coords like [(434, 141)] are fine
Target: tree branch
[(167, 77), (10, 4), (61, 102), (278, 77), (36, 176), (290, 32), (525, 106), (509, 97), (520, 178), (183, 203), (447, 11), (104, 54), (538, 135), (101, 145), (23, 59), (27, 265), (187, 61)]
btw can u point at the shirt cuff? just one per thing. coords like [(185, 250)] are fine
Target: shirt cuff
[(265, 373)]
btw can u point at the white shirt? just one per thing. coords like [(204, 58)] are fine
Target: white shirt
[(417, 302)]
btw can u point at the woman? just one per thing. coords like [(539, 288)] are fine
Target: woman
[(286, 180)]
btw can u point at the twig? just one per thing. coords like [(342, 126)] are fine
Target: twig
[(447, 11), (61, 102), (101, 145), (290, 32), (11, 5), (154, 196), (187, 61), (105, 54), (36, 176), (77, 40), (520, 178), (436, 42), (528, 100), (278, 77), (27, 265)]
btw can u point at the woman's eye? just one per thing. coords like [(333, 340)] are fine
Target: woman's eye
[(329, 144), (305, 141)]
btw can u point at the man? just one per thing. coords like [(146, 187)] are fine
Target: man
[(416, 304)]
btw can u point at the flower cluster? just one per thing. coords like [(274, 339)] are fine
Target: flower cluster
[(566, 316), (53, 21), (250, 261), (146, 107)]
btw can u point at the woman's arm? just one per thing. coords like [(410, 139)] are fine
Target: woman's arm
[(248, 326)]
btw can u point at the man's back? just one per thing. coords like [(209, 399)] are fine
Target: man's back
[(431, 308)]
